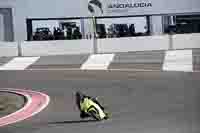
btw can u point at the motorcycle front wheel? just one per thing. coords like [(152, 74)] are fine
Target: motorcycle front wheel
[(95, 115)]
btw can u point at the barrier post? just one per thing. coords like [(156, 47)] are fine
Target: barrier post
[(171, 41), (95, 49), (19, 48)]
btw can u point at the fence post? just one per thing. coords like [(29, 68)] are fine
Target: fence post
[(95, 47), (171, 41), (19, 48)]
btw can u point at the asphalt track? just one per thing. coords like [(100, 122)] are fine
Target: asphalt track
[(140, 102)]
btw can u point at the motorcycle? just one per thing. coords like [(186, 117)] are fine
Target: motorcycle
[(90, 107)]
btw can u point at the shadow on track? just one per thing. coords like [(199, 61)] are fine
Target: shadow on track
[(72, 122)]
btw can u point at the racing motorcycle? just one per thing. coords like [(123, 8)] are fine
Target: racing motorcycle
[(91, 107)]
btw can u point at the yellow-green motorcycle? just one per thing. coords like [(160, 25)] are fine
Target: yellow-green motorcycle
[(91, 107)]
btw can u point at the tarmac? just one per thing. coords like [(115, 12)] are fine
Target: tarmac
[(140, 102)]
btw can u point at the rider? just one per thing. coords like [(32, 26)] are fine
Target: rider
[(79, 99)]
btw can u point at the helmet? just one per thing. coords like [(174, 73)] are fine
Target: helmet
[(79, 96)]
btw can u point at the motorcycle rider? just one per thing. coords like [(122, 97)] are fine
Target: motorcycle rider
[(80, 98)]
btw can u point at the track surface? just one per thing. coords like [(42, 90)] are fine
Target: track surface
[(140, 102)]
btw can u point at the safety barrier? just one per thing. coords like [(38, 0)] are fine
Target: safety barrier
[(129, 44), (8, 49), (108, 45), (184, 41), (60, 47)]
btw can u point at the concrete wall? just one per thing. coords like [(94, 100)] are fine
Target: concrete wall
[(109, 45), (58, 8), (76, 8), (133, 44), (182, 41), (45, 48), (19, 14), (22, 9), (8, 49), (7, 24)]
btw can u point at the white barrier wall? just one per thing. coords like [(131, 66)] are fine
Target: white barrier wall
[(109, 45), (182, 41), (59, 47), (8, 49), (133, 44)]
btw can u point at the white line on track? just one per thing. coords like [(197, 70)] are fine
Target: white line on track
[(120, 70), (76, 69), (19, 63), (97, 62), (178, 60)]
